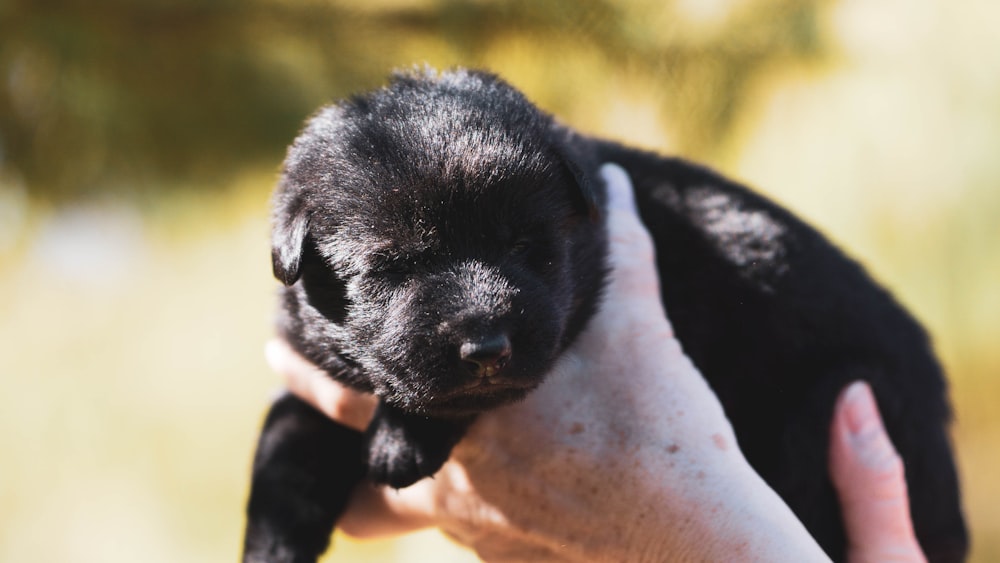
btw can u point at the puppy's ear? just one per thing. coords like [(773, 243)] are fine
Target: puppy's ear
[(288, 234), (573, 153), (587, 190)]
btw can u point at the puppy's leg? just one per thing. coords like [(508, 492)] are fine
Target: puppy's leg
[(404, 448), (304, 471)]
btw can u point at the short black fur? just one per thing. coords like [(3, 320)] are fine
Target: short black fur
[(441, 246)]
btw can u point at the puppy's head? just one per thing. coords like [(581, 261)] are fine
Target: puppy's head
[(435, 234)]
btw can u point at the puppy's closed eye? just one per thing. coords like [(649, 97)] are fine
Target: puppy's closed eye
[(395, 266), (392, 268), (520, 246)]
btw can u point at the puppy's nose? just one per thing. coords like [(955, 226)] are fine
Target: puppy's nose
[(487, 356)]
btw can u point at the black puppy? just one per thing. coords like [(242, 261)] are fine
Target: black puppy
[(441, 244)]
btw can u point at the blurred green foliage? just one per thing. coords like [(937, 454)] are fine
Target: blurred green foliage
[(128, 96)]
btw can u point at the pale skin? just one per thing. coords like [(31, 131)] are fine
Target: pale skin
[(623, 453)]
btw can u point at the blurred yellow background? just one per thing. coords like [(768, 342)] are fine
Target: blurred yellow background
[(139, 143)]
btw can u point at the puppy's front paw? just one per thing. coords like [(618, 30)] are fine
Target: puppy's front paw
[(399, 462), (404, 448)]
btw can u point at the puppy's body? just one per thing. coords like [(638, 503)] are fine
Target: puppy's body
[(439, 243)]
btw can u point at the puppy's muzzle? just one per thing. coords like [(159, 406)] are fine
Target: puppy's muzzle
[(486, 357)]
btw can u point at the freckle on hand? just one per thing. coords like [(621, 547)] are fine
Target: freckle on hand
[(720, 442), (576, 428), (673, 448)]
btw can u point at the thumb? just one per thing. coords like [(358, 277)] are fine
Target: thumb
[(869, 477), (631, 252)]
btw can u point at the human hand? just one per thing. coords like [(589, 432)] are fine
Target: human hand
[(623, 442)]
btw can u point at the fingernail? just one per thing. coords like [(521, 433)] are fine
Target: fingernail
[(620, 195), (867, 435), (861, 409)]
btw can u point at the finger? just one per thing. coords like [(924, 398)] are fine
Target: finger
[(624, 226), (634, 282), (620, 195), (631, 245), (868, 475), (378, 511), (311, 384)]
